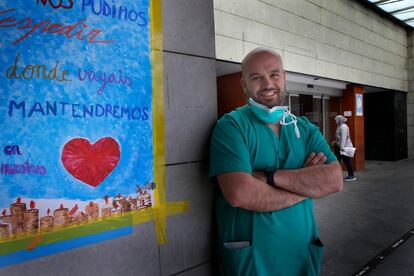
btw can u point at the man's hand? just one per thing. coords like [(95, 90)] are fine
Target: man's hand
[(315, 159)]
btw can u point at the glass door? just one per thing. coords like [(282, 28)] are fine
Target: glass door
[(319, 109), (316, 115), (295, 107)]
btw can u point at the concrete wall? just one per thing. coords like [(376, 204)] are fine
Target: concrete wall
[(190, 112), (338, 39), (410, 96)]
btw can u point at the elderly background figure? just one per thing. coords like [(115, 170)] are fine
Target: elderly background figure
[(343, 146)]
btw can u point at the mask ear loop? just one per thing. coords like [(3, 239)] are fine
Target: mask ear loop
[(294, 121)]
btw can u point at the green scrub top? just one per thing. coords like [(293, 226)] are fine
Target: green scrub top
[(283, 242)]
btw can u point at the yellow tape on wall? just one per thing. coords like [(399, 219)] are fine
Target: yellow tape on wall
[(162, 208)]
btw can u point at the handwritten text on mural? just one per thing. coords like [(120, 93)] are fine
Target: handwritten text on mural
[(75, 30)]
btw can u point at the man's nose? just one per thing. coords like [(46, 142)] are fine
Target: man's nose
[(267, 82)]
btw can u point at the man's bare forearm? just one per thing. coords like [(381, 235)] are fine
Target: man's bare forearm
[(248, 192), (313, 182)]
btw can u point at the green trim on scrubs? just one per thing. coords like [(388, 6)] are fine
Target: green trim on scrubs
[(283, 242)]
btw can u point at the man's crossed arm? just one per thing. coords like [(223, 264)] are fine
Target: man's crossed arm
[(251, 192)]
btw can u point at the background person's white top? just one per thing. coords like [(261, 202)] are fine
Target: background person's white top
[(342, 138)]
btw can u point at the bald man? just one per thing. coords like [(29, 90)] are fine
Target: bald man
[(269, 165)]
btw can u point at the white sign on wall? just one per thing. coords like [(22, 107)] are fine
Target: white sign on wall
[(359, 105)]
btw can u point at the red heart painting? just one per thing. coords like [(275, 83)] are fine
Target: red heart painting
[(90, 163)]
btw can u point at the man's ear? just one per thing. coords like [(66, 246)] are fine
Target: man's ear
[(243, 85)]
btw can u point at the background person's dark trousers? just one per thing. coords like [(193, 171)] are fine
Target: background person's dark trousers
[(347, 161)]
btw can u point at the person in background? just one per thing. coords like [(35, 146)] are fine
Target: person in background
[(268, 166), (341, 143)]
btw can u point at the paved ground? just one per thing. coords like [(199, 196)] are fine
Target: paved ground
[(369, 215)]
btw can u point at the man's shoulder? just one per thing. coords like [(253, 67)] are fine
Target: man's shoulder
[(238, 115), (304, 122), (306, 127)]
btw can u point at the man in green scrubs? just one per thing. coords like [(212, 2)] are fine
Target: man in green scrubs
[(269, 165)]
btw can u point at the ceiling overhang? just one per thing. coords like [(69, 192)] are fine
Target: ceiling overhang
[(401, 12)]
